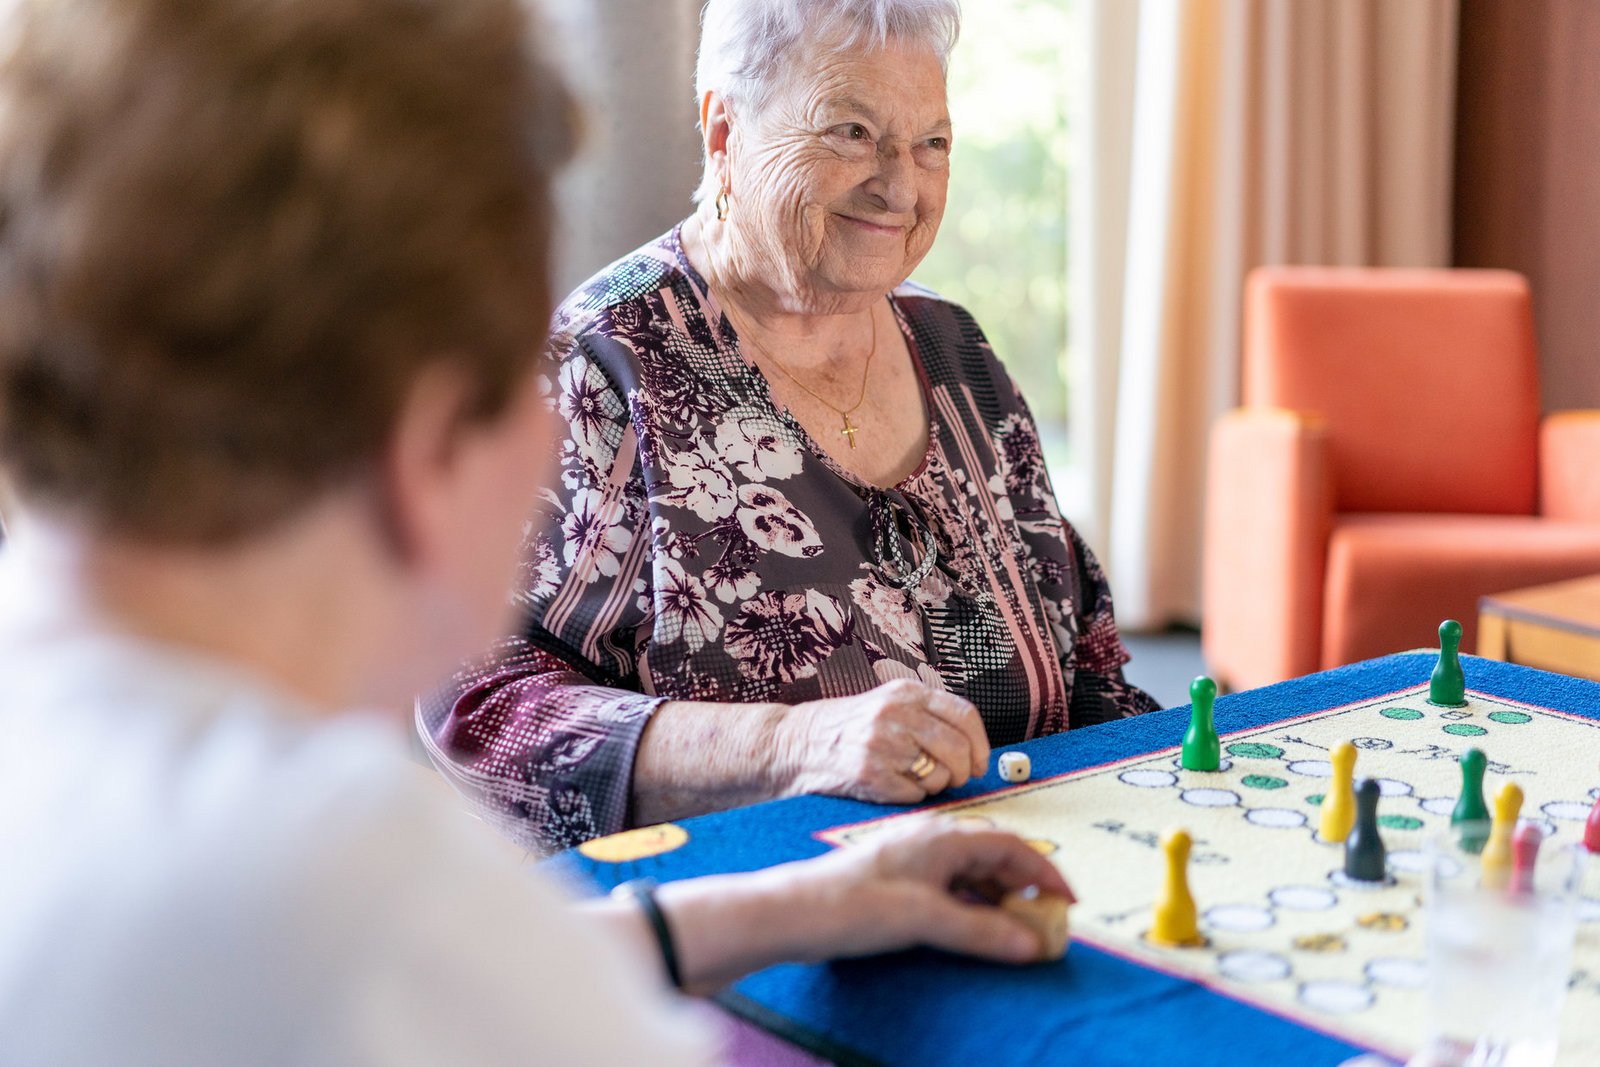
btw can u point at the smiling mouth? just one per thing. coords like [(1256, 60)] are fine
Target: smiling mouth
[(874, 227)]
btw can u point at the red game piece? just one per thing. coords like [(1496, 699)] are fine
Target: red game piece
[(1591, 829), (1524, 855)]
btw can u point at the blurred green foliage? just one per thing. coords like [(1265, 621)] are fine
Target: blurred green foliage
[(1002, 249)]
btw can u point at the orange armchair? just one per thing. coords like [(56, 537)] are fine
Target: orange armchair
[(1388, 467)]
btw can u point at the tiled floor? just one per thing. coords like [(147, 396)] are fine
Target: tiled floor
[(1164, 663)]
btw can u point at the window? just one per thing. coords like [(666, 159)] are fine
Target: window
[(1002, 249)]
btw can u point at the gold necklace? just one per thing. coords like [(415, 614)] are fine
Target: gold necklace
[(848, 428)]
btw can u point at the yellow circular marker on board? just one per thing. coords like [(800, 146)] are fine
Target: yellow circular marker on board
[(636, 844)]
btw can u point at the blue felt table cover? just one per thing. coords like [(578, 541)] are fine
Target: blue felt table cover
[(926, 1009)]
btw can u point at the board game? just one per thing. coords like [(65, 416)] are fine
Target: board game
[(1286, 930), (1301, 966)]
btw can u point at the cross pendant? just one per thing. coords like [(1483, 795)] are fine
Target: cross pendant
[(850, 431)]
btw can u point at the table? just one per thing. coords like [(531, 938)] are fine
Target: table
[(1096, 797), (1555, 627)]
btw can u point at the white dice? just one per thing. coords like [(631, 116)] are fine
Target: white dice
[(1014, 767)]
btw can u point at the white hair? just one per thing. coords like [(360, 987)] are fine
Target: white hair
[(745, 44)]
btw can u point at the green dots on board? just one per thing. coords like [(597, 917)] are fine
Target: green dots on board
[(1399, 822), (1315, 800), (1464, 729), (1510, 718), (1403, 714), (1254, 750), (1262, 781)]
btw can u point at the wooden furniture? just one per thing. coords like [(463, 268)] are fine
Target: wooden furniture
[(1555, 627)]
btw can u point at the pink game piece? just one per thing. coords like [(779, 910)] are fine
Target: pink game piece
[(1524, 855), (1591, 829)]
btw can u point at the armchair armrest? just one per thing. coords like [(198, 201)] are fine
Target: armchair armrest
[(1569, 466), (1269, 510)]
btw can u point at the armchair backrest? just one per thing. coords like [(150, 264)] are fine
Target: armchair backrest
[(1427, 379)]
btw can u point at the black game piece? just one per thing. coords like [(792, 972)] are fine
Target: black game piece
[(1364, 854)]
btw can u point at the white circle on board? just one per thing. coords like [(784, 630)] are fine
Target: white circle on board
[(1147, 779), (1567, 809), (1588, 910), (1547, 828), (1339, 878), (1393, 787), (1238, 918), (1335, 998), (1409, 860), (1438, 805), (1276, 818), (1247, 966), (1210, 798), (1312, 768), (1397, 972), (1222, 765), (1303, 898)]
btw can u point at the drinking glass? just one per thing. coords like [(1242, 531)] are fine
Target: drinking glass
[(1498, 955)]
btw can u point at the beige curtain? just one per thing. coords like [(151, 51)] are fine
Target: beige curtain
[(1218, 135)]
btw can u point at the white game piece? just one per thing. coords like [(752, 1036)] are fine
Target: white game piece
[(1015, 767)]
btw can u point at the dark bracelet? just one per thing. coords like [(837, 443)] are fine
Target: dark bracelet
[(642, 891)]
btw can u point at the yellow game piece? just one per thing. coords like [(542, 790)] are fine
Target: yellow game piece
[(1497, 855), (1175, 922), (1045, 914), (1339, 805)]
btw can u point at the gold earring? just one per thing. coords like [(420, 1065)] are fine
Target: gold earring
[(721, 204)]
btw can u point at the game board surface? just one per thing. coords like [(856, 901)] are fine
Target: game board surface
[(1260, 878), (1286, 929)]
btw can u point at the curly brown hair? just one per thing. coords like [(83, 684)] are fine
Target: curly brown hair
[(234, 232)]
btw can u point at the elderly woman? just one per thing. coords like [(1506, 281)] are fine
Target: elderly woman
[(267, 331), (802, 537)]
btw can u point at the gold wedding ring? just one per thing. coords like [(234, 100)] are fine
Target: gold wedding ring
[(922, 766)]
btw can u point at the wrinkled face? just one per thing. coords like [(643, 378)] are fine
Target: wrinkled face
[(839, 182)]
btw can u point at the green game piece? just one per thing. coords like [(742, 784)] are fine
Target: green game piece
[(1399, 822), (1464, 729), (1403, 714), (1202, 751), (1510, 718), (1448, 687), (1471, 813), (1255, 750), (1262, 781), (1316, 799)]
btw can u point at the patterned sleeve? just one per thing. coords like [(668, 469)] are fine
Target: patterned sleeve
[(1077, 597), (541, 734)]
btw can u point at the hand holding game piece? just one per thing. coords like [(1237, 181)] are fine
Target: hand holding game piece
[(1046, 915), (1175, 922), (1202, 751), (936, 882), (1365, 858), (1497, 852), (896, 744), (1448, 686), (1339, 803), (1471, 814)]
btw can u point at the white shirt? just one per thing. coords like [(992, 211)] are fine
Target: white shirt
[(195, 871)]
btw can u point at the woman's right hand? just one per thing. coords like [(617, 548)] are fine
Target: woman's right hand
[(923, 883), (869, 746)]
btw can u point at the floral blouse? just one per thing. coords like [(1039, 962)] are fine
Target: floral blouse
[(694, 543)]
